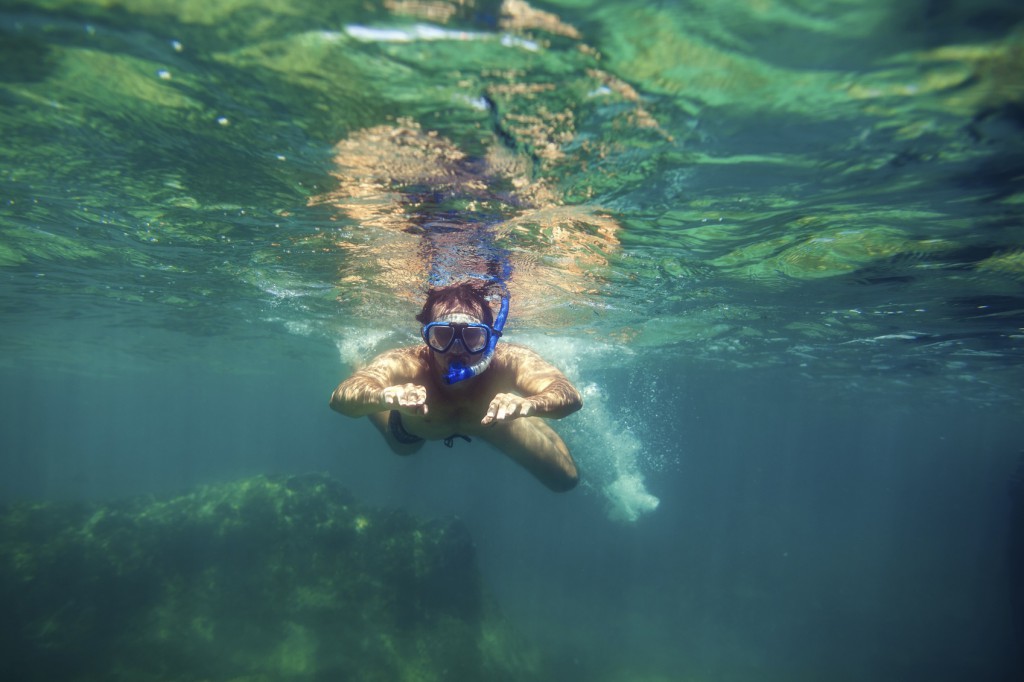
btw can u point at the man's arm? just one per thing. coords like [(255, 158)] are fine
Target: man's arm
[(543, 390), (376, 387)]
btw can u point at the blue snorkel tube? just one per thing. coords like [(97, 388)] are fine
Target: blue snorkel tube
[(458, 372)]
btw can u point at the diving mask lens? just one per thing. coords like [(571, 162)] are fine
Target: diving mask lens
[(441, 335), (475, 338)]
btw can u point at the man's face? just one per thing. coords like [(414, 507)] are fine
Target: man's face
[(456, 353)]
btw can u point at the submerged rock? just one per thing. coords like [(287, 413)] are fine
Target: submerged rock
[(263, 579)]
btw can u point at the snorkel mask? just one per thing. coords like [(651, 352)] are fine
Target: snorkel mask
[(457, 371)]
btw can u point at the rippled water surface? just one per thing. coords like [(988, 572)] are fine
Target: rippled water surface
[(778, 244)]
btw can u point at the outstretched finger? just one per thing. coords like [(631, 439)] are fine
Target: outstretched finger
[(492, 410), (416, 399)]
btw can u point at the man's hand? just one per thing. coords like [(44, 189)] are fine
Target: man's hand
[(506, 407), (406, 398)]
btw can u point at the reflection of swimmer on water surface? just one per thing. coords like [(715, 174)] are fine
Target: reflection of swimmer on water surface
[(462, 384), (411, 191)]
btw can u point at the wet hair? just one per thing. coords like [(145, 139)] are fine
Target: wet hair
[(469, 296)]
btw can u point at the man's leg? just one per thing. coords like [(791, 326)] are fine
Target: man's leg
[(536, 447)]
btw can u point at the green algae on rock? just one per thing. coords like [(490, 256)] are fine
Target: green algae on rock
[(266, 578)]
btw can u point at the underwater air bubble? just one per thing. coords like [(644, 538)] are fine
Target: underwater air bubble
[(629, 498), (355, 345), (601, 439)]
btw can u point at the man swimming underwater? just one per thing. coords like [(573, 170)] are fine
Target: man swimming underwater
[(460, 384)]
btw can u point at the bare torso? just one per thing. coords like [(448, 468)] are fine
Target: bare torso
[(502, 406), (459, 408)]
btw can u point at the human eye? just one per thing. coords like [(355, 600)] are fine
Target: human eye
[(440, 337), (475, 338)]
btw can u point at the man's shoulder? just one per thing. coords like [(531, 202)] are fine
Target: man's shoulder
[(520, 358), (514, 352), (509, 347), (407, 360), (525, 367)]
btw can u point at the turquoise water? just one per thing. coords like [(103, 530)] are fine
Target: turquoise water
[(778, 245)]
